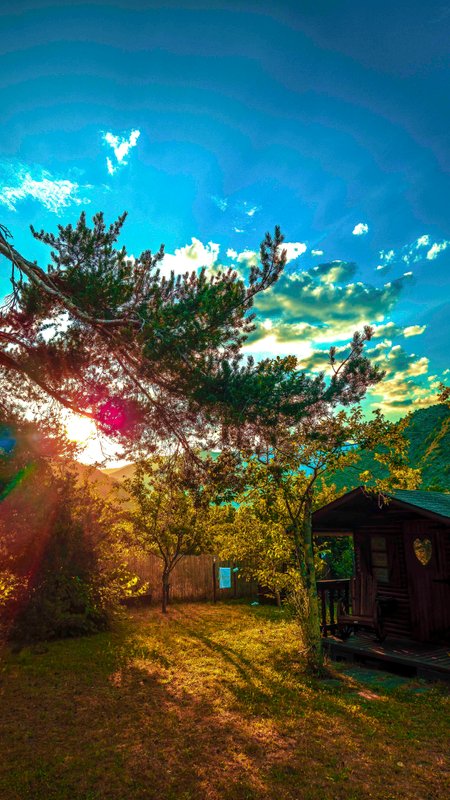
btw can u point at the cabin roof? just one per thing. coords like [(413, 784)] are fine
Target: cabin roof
[(353, 508), (437, 502)]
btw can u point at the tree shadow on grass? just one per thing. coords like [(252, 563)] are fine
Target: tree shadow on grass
[(132, 715)]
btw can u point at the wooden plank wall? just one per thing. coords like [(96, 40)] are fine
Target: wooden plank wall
[(429, 587), (192, 578), (399, 622)]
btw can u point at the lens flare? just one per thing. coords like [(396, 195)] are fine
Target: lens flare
[(80, 429)]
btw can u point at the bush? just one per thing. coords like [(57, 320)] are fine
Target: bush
[(64, 577), (60, 599)]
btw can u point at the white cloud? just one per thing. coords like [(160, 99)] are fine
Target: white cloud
[(248, 257), (423, 241), (414, 252), (110, 166), (413, 330), (293, 250), (191, 257), (52, 194), (271, 345), (251, 258), (435, 249), (360, 229), (239, 230), (246, 208), (121, 147), (387, 256), (317, 252)]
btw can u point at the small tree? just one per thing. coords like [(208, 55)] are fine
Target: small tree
[(70, 569), (286, 477), (62, 551), (259, 544), (170, 510)]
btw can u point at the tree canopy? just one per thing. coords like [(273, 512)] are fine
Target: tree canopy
[(150, 357)]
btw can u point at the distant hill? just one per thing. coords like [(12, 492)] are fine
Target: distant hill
[(96, 477), (104, 482), (428, 432), (119, 473)]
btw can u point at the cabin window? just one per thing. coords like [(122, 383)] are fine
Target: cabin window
[(423, 550), (380, 564)]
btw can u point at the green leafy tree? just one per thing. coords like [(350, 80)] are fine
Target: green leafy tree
[(169, 512), (154, 358), (72, 572), (256, 536), (149, 357), (285, 479), (62, 550)]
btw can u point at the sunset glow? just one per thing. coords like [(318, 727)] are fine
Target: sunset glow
[(80, 429)]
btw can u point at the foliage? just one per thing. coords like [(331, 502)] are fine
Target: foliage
[(146, 355), (259, 544), (62, 554), (427, 435), (60, 598), (170, 511), (337, 557), (154, 358), (28, 453), (73, 570), (284, 482), (256, 536)]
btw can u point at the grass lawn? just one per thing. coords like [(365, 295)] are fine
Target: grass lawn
[(211, 702)]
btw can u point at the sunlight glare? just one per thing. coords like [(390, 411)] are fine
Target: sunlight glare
[(80, 429)]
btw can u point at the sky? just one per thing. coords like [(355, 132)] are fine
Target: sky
[(210, 122)]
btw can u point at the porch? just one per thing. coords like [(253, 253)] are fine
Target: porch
[(402, 655)]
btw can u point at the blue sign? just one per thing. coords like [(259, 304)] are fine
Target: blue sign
[(224, 578)]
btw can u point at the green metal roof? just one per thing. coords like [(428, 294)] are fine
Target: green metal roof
[(436, 502)]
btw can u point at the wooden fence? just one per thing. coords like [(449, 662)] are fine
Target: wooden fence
[(194, 578)]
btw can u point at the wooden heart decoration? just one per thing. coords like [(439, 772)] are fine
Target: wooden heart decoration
[(423, 550)]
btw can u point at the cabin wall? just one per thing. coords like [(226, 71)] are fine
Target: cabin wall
[(398, 621), (421, 592), (429, 584)]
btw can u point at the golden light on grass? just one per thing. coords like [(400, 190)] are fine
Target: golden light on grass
[(212, 702)]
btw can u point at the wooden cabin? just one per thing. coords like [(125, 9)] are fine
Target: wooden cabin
[(405, 545)]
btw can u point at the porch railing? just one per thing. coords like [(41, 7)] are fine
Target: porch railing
[(331, 593)]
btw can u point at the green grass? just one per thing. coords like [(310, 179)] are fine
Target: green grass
[(211, 702)]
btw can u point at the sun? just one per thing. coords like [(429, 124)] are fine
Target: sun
[(80, 429)]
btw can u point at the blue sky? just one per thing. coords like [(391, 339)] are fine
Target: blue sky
[(210, 122)]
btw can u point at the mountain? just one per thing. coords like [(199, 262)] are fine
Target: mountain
[(97, 478), (428, 433), (119, 473)]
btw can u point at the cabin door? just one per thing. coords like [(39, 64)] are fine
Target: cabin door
[(422, 564)]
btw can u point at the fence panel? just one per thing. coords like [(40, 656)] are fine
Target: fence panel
[(191, 579)]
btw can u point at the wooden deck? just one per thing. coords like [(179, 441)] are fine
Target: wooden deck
[(402, 656)]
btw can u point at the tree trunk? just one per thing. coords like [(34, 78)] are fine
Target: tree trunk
[(312, 621), (165, 590)]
